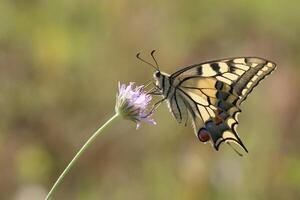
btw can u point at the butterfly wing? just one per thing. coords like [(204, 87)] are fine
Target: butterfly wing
[(178, 107), (212, 93)]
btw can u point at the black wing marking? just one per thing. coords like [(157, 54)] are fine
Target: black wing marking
[(178, 108)]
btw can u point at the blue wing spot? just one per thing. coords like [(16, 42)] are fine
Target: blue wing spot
[(219, 85), (224, 105), (222, 95)]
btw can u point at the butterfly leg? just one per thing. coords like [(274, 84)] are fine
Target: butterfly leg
[(154, 107), (155, 91)]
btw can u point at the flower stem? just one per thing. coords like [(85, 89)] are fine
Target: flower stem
[(79, 153)]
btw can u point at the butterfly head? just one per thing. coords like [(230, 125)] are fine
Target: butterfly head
[(159, 77), (161, 80)]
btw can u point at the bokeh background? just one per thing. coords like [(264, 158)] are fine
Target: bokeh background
[(61, 60)]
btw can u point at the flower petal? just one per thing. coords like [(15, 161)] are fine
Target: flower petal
[(132, 103)]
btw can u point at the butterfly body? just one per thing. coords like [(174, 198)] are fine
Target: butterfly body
[(210, 94)]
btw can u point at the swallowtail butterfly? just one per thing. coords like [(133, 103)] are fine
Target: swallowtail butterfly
[(210, 94)]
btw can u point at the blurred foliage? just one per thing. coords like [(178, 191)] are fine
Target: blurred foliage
[(60, 62)]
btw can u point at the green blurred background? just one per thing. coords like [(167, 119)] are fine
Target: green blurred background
[(61, 60)]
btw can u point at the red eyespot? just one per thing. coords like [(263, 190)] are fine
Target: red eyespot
[(203, 135)]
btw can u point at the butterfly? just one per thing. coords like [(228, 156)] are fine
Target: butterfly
[(210, 94)]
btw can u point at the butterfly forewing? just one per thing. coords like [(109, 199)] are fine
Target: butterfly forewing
[(212, 92), (257, 71)]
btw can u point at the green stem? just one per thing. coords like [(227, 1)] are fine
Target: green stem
[(77, 156)]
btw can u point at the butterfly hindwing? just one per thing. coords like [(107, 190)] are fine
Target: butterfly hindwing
[(178, 108), (216, 109), (193, 109)]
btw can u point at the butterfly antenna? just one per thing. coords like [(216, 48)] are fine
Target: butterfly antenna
[(152, 55), (236, 151), (138, 57)]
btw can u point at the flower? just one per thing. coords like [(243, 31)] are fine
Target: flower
[(132, 104)]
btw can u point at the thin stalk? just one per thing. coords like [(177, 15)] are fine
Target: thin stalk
[(80, 152)]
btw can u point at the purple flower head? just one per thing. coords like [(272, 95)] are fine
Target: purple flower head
[(132, 104)]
